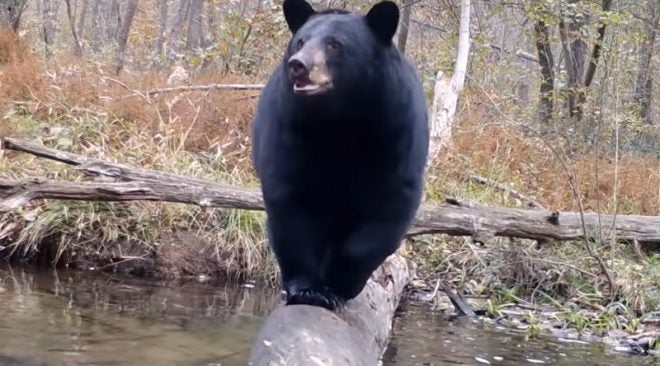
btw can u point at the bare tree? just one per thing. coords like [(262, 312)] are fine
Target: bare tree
[(645, 70), (195, 25), (575, 51), (212, 21), (72, 22), (11, 12), (49, 10), (81, 21), (97, 36), (179, 19), (575, 48), (113, 21), (547, 65), (404, 25), (122, 39), (447, 90), (162, 26)]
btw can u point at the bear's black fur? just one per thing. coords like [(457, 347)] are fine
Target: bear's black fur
[(340, 141)]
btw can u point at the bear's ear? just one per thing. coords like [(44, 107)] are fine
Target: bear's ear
[(383, 19), (296, 13)]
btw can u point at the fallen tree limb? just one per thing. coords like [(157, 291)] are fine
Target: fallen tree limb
[(453, 218), (15, 194), (306, 335), (206, 88)]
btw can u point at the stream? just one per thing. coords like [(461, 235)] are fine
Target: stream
[(68, 317)]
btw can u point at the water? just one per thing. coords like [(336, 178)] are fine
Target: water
[(75, 318), (421, 337)]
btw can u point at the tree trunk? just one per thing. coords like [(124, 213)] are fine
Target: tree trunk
[(195, 25), (49, 10), (10, 14), (97, 32), (122, 39), (404, 26), (301, 335), (113, 22), (162, 27), (212, 22), (446, 91), (593, 60), (81, 22), (645, 70), (72, 22), (575, 48), (547, 64), (177, 24)]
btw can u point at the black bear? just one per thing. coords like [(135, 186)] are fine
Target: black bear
[(340, 141)]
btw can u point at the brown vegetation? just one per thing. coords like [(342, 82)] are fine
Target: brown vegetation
[(504, 154)]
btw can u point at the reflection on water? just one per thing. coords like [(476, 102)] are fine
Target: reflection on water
[(425, 338), (74, 318), (82, 318)]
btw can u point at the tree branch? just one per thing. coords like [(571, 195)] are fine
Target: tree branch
[(207, 87)]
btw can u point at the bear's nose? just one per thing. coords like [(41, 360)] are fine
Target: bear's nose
[(297, 69)]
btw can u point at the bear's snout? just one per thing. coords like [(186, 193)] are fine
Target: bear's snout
[(298, 70)]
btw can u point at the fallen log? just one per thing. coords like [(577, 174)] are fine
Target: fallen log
[(452, 217), (357, 335)]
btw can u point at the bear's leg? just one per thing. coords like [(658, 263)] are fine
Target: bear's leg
[(299, 244), (356, 258)]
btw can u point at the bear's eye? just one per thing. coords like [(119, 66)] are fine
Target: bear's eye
[(334, 44), (299, 44)]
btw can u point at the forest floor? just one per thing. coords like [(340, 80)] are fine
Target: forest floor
[(85, 108)]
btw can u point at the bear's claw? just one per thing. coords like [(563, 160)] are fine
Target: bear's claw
[(314, 297)]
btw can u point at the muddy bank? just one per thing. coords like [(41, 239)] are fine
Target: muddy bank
[(176, 256)]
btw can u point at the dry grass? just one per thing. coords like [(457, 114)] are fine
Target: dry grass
[(505, 155), (20, 75)]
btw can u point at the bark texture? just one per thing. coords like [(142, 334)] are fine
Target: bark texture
[(301, 335)]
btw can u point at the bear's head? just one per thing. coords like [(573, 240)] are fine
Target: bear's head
[(335, 50)]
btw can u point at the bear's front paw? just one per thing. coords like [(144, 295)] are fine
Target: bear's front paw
[(313, 296)]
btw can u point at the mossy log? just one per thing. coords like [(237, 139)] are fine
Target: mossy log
[(116, 182)]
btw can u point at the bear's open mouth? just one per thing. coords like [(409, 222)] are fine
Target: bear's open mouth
[(307, 87)]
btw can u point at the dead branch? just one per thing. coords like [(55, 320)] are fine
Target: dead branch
[(16, 194), (206, 88), (520, 53), (506, 188)]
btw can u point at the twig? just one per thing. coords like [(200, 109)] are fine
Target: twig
[(206, 87), (435, 289), (455, 298), (564, 264), (134, 91), (504, 187)]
